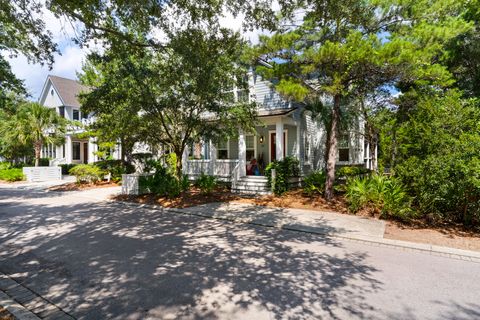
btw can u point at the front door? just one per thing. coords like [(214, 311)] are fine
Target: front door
[(273, 149), (85, 153)]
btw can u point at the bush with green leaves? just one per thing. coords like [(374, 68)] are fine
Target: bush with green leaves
[(163, 183), (352, 171), (314, 183), (284, 170), (11, 174), (384, 195), (5, 165), (87, 173), (437, 156), (116, 168), (206, 183)]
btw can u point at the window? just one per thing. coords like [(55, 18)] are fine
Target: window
[(61, 111), (51, 92), (76, 150), (76, 114), (250, 143), (206, 150), (63, 151), (344, 147), (306, 148), (222, 149)]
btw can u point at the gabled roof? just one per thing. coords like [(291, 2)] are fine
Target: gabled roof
[(68, 90)]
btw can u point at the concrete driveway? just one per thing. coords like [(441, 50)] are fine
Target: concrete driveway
[(101, 260)]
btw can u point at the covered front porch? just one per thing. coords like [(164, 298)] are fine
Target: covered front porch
[(249, 154)]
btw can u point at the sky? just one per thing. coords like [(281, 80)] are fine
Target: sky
[(71, 56)]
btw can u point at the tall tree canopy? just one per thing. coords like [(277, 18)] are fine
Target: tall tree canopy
[(180, 94), (346, 50)]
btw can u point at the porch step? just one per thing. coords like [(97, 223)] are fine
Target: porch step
[(252, 185)]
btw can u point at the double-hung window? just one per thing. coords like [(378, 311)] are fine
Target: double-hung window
[(222, 149), (76, 114), (76, 150), (344, 147)]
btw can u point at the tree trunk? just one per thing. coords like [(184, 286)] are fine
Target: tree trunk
[(38, 149), (332, 151), (179, 154)]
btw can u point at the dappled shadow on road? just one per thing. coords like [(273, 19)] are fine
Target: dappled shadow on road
[(115, 261)]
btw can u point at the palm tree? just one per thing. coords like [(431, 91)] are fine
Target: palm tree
[(37, 125)]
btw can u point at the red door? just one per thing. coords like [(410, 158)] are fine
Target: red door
[(273, 148)]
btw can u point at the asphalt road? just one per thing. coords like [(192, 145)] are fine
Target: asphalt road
[(100, 260)]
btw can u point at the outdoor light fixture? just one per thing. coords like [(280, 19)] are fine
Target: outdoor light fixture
[(261, 139)]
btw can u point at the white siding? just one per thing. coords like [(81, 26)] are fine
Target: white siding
[(266, 96)]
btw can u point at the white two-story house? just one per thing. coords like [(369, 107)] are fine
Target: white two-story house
[(62, 94), (287, 129)]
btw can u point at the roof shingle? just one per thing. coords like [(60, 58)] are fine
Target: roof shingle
[(68, 90)]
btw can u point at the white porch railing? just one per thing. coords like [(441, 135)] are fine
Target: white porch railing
[(218, 168), (57, 161), (235, 175)]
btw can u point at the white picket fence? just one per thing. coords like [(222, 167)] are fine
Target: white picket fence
[(37, 174)]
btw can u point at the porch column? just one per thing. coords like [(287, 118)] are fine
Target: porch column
[(91, 150), (213, 157), (242, 154), (68, 149), (279, 139), (297, 144)]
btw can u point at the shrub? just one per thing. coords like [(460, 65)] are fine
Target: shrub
[(66, 167), (284, 170), (386, 196), (314, 183), (12, 174), (206, 183), (87, 173), (163, 183), (116, 168), (5, 165), (352, 171)]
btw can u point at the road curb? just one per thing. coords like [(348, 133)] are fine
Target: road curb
[(16, 309), (448, 252)]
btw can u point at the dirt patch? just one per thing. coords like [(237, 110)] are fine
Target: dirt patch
[(192, 197), (454, 236), (72, 186), (5, 315), (296, 199)]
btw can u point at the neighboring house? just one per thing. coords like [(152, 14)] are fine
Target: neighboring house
[(288, 130), (62, 94)]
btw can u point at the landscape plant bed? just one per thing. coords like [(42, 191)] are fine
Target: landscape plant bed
[(190, 198), (73, 186), (5, 315), (297, 199), (446, 234)]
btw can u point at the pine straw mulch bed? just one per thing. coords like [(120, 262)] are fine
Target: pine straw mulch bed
[(73, 186), (446, 234), (5, 315)]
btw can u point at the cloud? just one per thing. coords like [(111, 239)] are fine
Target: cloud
[(70, 61)]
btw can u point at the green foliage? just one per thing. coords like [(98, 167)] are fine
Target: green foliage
[(171, 161), (87, 173), (163, 183), (116, 168), (387, 196), (284, 170), (66, 167), (35, 125), (5, 165), (437, 156), (314, 183), (352, 171), (11, 174), (206, 183)]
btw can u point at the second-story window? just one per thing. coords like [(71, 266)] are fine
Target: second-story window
[(76, 114), (61, 111)]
